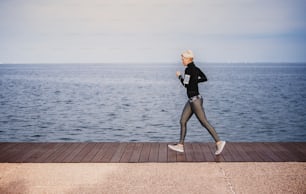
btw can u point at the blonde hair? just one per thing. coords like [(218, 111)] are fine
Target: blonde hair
[(188, 54)]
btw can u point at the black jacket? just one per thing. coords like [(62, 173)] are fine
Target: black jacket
[(193, 75)]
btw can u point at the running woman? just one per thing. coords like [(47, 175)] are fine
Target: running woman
[(193, 75)]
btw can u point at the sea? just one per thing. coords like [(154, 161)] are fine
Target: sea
[(126, 102)]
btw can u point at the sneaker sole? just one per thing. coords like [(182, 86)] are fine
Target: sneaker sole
[(174, 149)]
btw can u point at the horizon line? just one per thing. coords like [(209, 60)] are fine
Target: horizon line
[(131, 62)]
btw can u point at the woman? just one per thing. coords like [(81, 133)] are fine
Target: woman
[(193, 75)]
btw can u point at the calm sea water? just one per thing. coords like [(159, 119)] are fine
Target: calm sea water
[(143, 102)]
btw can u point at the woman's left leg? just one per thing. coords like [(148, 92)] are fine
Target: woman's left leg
[(198, 110)]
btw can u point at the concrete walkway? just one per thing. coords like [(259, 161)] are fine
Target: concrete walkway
[(153, 178)]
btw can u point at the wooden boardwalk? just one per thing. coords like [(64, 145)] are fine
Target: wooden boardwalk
[(149, 152)]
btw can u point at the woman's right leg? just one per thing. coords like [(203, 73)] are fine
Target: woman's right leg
[(186, 114)]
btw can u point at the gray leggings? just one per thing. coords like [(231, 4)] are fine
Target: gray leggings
[(195, 106)]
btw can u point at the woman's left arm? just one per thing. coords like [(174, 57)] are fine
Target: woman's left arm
[(201, 76)]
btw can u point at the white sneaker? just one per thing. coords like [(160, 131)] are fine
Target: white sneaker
[(220, 146), (177, 147)]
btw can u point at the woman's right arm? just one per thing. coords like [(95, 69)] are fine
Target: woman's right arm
[(180, 77)]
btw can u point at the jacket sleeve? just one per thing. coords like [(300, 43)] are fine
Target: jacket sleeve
[(181, 78), (201, 76)]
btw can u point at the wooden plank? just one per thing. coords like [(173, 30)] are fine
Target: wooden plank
[(238, 150), (33, 150), (26, 149), (153, 156), (251, 151), (301, 146), (127, 153), (110, 152), (278, 151), (243, 153), (261, 152), (181, 157), (16, 151), (55, 152), (92, 151), (119, 152), (5, 147), (269, 153), (197, 153), (284, 151), (208, 156), (70, 153), (6, 150), (36, 150), (104, 148), (50, 149), (63, 152), (106, 152), (189, 152), (264, 152), (82, 153), (163, 152), (136, 153), (145, 153), (39, 152), (293, 152)]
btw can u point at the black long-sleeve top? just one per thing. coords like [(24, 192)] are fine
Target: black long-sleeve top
[(193, 76)]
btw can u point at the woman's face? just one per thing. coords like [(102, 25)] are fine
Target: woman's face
[(186, 61)]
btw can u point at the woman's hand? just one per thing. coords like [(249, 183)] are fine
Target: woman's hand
[(178, 74)]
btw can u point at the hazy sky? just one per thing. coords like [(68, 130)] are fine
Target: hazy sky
[(152, 31)]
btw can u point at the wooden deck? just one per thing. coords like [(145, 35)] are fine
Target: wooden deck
[(149, 152)]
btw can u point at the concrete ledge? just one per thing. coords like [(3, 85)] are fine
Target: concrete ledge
[(153, 178)]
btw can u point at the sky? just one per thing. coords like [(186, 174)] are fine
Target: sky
[(103, 31)]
